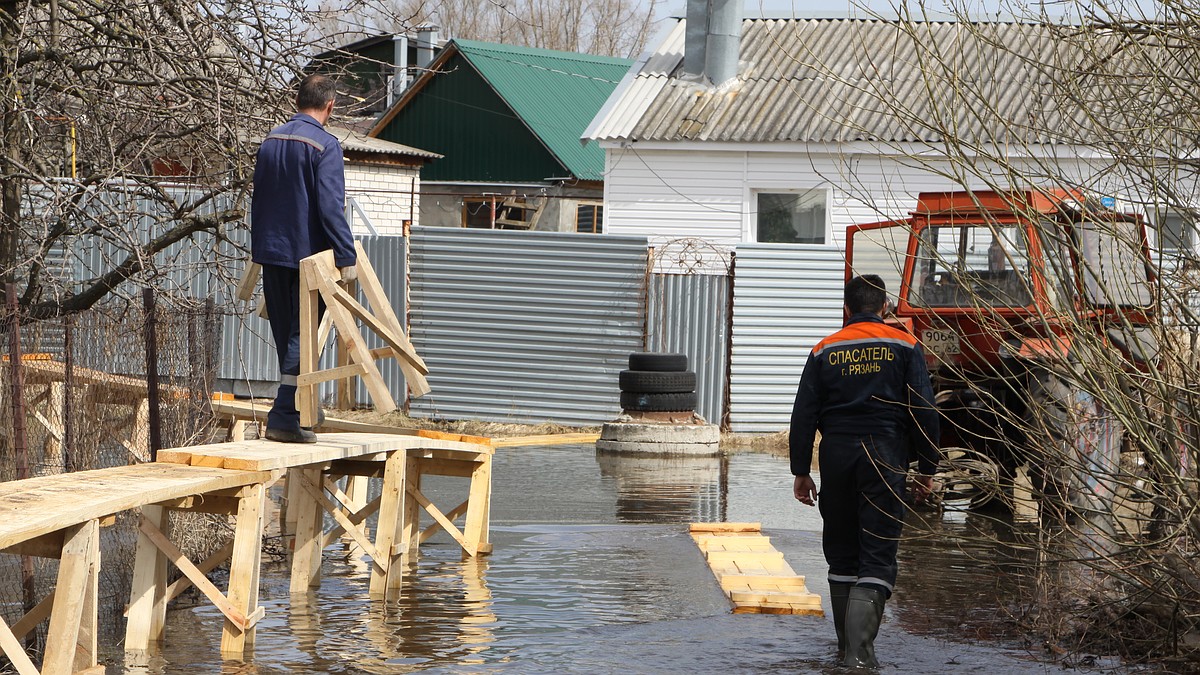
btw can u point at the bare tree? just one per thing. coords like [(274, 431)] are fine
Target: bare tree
[(604, 27), (1109, 107), (130, 127)]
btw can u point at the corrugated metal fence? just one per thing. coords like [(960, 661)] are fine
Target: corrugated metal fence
[(525, 326), (786, 298), (689, 314)]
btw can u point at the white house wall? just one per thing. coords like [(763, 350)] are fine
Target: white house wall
[(786, 297)]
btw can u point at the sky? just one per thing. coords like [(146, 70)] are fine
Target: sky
[(833, 8)]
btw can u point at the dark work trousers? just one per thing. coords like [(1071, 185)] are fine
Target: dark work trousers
[(281, 291), (862, 504)]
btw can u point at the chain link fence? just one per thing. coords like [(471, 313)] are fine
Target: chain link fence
[(80, 398)]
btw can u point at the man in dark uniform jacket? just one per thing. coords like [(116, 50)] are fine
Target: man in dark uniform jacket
[(297, 211), (866, 388)]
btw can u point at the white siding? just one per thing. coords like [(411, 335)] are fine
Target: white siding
[(385, 193)]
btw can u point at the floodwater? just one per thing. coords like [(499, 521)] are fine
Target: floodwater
[(594, 572)]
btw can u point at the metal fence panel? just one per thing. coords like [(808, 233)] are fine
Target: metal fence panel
[(689, 314), (786, 298), (525, 326)]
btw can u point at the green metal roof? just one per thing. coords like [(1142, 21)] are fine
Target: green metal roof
[(555, 93)]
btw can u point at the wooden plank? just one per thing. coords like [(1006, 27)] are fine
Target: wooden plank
[(339, 373), (380, 304), (435, 527), (249, 281), (475, 527), (725, 527), (76, 577), (753, 580), (147, 594), (37, 506), (450, 436), (35, 616), (449, 527), (310, 346), (202, 583), (11, 647), (546, 439), (306, 557), (45, 546), (399, 345), (338, 515), (210, 563), (352, 338), (262, 455), (355, 518), (244, 565), (390, 511)]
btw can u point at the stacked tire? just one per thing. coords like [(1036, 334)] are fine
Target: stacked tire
[(658, 382)]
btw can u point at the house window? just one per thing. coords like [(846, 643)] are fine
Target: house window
[(589, 217), (791, 217), (477, 214)]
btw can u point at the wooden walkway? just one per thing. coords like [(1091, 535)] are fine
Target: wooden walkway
[(60, 517), (751, 572)]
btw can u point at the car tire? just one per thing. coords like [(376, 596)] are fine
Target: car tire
[(656, 382), (661, 402), (658, 361)]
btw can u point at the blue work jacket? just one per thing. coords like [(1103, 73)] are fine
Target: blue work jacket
[(299, 196)]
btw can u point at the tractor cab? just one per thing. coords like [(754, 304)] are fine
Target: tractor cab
[(979, 277)]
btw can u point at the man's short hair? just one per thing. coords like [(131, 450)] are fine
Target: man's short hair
[(315, 92), (866, 293)]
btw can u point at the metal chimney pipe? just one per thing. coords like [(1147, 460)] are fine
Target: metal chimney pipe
[(695, 37), (427, 37), (723, 40)]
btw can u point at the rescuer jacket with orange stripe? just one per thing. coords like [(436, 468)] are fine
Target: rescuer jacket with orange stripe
[(867, 379)]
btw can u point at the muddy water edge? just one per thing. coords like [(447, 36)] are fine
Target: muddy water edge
[(593, 571)]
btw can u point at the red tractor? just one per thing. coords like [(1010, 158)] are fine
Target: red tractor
[(998, 288)]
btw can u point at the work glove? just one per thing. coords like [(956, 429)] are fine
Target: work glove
[(349, 273)]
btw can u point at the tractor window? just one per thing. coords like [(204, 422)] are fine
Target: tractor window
[(1060, 279), (971, 266), (881, 251), (1113, 265)]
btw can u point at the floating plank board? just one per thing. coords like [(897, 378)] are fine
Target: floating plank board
[(751, 572), (546, 439), (264, 455), (37, 506)]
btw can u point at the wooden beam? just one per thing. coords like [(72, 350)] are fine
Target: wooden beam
[(382, 329), (45, 546), (339, 373), (349, 527), (244, 566), (306, 555), (450, 528), (210, 563), (210, 591), (11, 647), (249, 280), (349, 332), (373, 291), (390, 511), (35, 616), (475, 527), (76, 584), (436, 527), (147, 600)]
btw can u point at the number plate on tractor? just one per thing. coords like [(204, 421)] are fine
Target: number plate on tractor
[(941, 342)]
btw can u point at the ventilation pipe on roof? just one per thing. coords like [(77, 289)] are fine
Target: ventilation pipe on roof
[(399, 68), (711, 40), (427, 37)]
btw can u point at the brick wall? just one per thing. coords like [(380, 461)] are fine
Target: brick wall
[(385, 193)]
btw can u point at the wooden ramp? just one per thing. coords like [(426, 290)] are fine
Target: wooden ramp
[(751, 572)]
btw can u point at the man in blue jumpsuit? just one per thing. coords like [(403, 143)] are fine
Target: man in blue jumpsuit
[(297, 210), (866, 388)]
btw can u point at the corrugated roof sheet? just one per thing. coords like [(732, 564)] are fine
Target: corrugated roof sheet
[(843, 80), (555, 93), (352, 140)]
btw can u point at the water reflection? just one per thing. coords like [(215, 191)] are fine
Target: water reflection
[(667, 488), (593, 572)]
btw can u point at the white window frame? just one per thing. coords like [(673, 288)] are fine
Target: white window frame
[(750, 225)]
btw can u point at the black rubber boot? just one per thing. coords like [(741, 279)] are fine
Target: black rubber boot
[(839, 592), (864, 611)]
